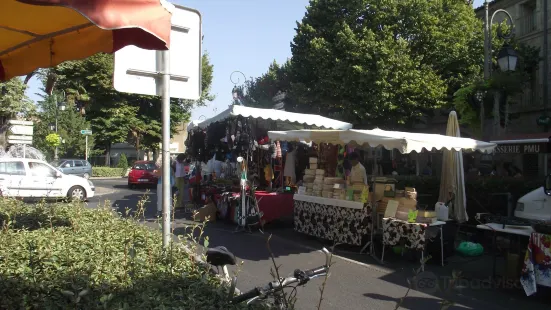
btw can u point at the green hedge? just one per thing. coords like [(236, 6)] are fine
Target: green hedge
[(106, 172), (478, 190), (66, 256)]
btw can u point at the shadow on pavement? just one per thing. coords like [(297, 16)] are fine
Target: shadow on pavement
[(410, 302), (248, 246), (296, 251)]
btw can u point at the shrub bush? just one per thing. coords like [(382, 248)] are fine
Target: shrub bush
[(123, 162), (65, 256), (107, 172)]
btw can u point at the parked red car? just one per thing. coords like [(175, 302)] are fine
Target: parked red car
[(142, 174)]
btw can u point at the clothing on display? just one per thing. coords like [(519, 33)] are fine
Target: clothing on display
[(358, 172), (290, 166)]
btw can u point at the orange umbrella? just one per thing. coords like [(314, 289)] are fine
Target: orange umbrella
[(43, 33)]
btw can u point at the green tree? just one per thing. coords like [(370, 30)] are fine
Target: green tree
[(13, 101), (119, 117), (384, 62), (70, 123)]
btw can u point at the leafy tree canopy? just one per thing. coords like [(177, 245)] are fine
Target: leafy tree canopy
[(118, 117), (384, 62), (70, 123), (259, 92), (13, 101)]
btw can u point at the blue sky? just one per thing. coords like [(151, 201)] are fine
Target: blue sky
[(243, 35)]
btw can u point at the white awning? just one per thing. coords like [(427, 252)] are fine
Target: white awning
[(193, 124), (285, 119), (404, 142)]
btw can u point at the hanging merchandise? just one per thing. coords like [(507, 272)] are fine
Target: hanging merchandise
[(290, 166)]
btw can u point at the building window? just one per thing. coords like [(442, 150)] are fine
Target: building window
[(528, 17)]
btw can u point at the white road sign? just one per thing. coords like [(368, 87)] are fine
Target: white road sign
[(18, 137), (21, 130), (137, 70), (14, 141)]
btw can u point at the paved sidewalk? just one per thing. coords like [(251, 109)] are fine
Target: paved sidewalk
[(356, 281), (100, 191)]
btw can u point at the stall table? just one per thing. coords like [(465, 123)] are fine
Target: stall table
[(537, 263), (272, 206), (341, 221), (415, 234), (496, 228)]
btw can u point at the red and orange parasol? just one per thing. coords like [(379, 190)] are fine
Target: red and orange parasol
[(43, 33)]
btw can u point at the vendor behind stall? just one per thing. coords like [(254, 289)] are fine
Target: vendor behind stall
[(357, 170)]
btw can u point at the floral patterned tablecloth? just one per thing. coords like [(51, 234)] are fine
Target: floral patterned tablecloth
[(335, 223), (415, 234), (537, 263)]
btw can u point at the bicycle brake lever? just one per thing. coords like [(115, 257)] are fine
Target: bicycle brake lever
[(301, 276)]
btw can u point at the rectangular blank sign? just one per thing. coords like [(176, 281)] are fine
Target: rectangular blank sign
[(136, 70)]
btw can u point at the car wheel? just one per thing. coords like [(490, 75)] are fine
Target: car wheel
[(77, 193), (131, 186), (86, 176)]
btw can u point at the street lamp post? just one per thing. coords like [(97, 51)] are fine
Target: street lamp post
[(507, 57), (235, 94), (59, 106)]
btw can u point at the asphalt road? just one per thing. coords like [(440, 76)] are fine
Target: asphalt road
[(356, 281)]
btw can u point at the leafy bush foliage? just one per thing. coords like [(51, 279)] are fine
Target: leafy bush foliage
[(123, 162), (53, 140), (107, 172), (65, 256)]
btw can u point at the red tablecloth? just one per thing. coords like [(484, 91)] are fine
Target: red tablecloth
[(273, 206)]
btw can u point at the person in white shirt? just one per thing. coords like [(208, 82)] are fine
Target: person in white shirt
[(357, 172), (179, 173)]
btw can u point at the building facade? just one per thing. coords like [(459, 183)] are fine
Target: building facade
[(523, 143), (527, 107)]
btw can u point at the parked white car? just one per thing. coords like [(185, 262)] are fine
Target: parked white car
[(30, 178)]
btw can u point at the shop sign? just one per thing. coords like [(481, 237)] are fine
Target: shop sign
[(544, 120), (521, 148)]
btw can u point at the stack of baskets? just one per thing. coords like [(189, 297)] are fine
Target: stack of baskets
[(318, 182), (313, 181), (308, 180), (328, 187)]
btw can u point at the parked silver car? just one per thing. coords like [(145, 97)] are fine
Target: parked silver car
[(78, 167)]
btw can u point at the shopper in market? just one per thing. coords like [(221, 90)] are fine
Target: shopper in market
[(357, 170), (179, 173), (158, 172)]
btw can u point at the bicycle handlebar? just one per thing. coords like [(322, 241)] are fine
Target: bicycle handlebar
[(300, 277)]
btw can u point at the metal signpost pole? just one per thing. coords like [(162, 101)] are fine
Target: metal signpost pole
[(56, 116), (86, 148), (148, 72), (165, 84)]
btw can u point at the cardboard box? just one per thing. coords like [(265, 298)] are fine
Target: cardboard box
[(209, 210)]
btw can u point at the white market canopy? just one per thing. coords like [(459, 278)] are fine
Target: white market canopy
[(193, 124), (285, 120), (404, 142)]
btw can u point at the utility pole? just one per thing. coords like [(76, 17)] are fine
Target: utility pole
[(545, 62), (487, 61)]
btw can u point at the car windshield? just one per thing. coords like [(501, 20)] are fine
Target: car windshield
[(147, 166)]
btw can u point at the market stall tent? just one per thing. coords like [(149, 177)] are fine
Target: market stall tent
[(404, 142), (285, 120)]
